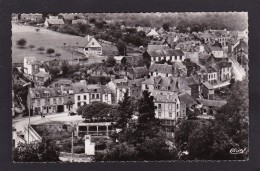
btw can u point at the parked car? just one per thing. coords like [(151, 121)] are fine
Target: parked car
[(72, 113)]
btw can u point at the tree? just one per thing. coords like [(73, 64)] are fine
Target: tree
[(121, 47), (31, 46), (124, 111), (21, 43), (45, 151), (98, 110), (166, 26), (40, 49), (110, 62), (50, 51), (58, 55)]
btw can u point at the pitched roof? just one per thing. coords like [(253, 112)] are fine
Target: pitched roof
[(141, 70), (212, 103), (165, 98), (166, 52), (215, 48), (157, 47), (136, 82), (42, 74), (53, 92), (55, 21), (161, 68), (223, 64), (84, 41), (186, 99), (207, 85)]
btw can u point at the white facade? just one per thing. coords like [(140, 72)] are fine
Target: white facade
[(93, 47), (81, 99), (225, 74), (218, 54)]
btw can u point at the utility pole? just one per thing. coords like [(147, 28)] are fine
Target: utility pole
[(29, 113), (72, 160)]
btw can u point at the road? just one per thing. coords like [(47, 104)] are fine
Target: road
[(20, 123)]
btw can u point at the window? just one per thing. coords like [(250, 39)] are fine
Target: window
[(93, 43), (170, 107), (97, 96), (177, 107), (78, 97), (177, 114), (54, 101), (159, 114), (175, 58), (180, 57), (78, 104), (146, 86), (37, 94), (93, 96), (85, 97), (106, 97), (159, 106), (170, 114)]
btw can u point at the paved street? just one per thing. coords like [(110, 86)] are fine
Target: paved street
[(63, 117)]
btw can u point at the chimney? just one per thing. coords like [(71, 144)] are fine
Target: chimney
[(88, 37)]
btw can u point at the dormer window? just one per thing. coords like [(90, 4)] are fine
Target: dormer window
[(37, 94), (93, 43)]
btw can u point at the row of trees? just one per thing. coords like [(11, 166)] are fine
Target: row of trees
[(22, 44)]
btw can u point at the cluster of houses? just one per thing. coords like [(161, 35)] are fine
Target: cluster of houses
[(176, 91)]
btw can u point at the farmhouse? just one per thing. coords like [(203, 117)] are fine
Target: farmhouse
[(53, 21), (90, 46), (31, 16)]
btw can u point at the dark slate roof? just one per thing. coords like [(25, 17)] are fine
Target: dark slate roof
[(186, 99), (212, 103), (42, 74), (215, 48), (223, 64), (135, 82), (52, 91), (167, 52), (141, 70), (161, 68), (157, 47), (84, 41), (165, 98)]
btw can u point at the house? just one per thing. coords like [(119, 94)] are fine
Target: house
[(135, 87), (118, 88), (139, 72), (171, 55), (30, 16), (48, 100), (61, 82), (168, 107), (207, 90), (79, 21), (41, 78), (224, 69), (53, 21), (210, 74), (90, 46), (209, 107), (152, 33), (217, 51), (159, 85), (163, 70), (31, 65), (186, 103)]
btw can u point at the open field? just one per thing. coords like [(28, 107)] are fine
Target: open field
[(47, 39)]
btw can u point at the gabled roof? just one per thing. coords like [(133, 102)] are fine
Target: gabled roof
[(186, 99), (53, 92), (141, 70), (135, 82), (223, 64), (157, 47), (165, 98), (207, 85), (161, 68), (212, 103), (84, 41), (166, 52), (42, 74), (55, 21), (215, 48)]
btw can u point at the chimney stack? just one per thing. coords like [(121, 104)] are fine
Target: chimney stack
[(88, 37)]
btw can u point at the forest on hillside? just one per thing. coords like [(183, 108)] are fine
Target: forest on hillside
[(211, 20)]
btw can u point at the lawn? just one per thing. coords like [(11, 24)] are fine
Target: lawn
[(47, 39)]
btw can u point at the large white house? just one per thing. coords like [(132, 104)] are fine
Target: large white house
[(90, 46)]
